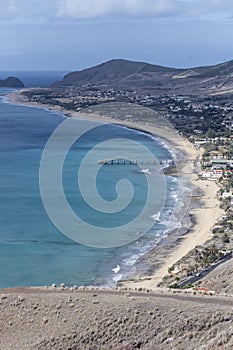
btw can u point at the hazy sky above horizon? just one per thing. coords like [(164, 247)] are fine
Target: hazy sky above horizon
[(75, 34)]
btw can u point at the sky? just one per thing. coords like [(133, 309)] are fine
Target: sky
[(74, 34)]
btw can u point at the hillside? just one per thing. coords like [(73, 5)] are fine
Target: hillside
[(220, 279), (223, 69), (115, 71), (33, 319), (125, 74), (11, 82)]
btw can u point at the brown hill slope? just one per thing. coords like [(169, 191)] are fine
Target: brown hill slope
[(114, 71), (80, 320), (160, 80)]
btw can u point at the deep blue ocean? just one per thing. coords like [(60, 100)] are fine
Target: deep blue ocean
[(32, 250)]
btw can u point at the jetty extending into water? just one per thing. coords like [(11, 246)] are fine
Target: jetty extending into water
[(154, 161)]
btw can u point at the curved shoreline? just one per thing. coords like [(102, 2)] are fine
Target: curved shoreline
[(200, 232)]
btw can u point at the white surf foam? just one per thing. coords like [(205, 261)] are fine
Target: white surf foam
[(116, 269), (145, 171), (156, 217)]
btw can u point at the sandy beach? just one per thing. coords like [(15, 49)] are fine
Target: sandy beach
[(205, 216)]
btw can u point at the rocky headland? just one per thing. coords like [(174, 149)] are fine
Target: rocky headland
[(11, 82)]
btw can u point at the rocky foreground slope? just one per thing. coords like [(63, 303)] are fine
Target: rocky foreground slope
[(37, 319), (220, 279)]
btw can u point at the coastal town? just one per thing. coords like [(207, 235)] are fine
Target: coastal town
[(216, 165), (191, 115)]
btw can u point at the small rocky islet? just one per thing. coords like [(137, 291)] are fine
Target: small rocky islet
[(11, 82)]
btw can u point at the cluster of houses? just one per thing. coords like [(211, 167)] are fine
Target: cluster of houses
[(229, 123), (216, 168)]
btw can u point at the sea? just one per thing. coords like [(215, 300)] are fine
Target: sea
[(33, 251)]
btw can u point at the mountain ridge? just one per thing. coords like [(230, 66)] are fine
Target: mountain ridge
[(116, 69), (142, 76)]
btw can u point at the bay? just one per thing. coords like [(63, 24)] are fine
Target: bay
[(32, 250)]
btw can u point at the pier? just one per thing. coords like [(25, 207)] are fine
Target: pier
[(126, 161)]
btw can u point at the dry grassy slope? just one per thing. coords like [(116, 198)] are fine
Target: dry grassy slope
[(95, 320), (220, 279), (120, 73), (114, 70)]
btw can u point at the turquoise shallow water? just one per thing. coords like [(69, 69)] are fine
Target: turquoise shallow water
[(32, 250)]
